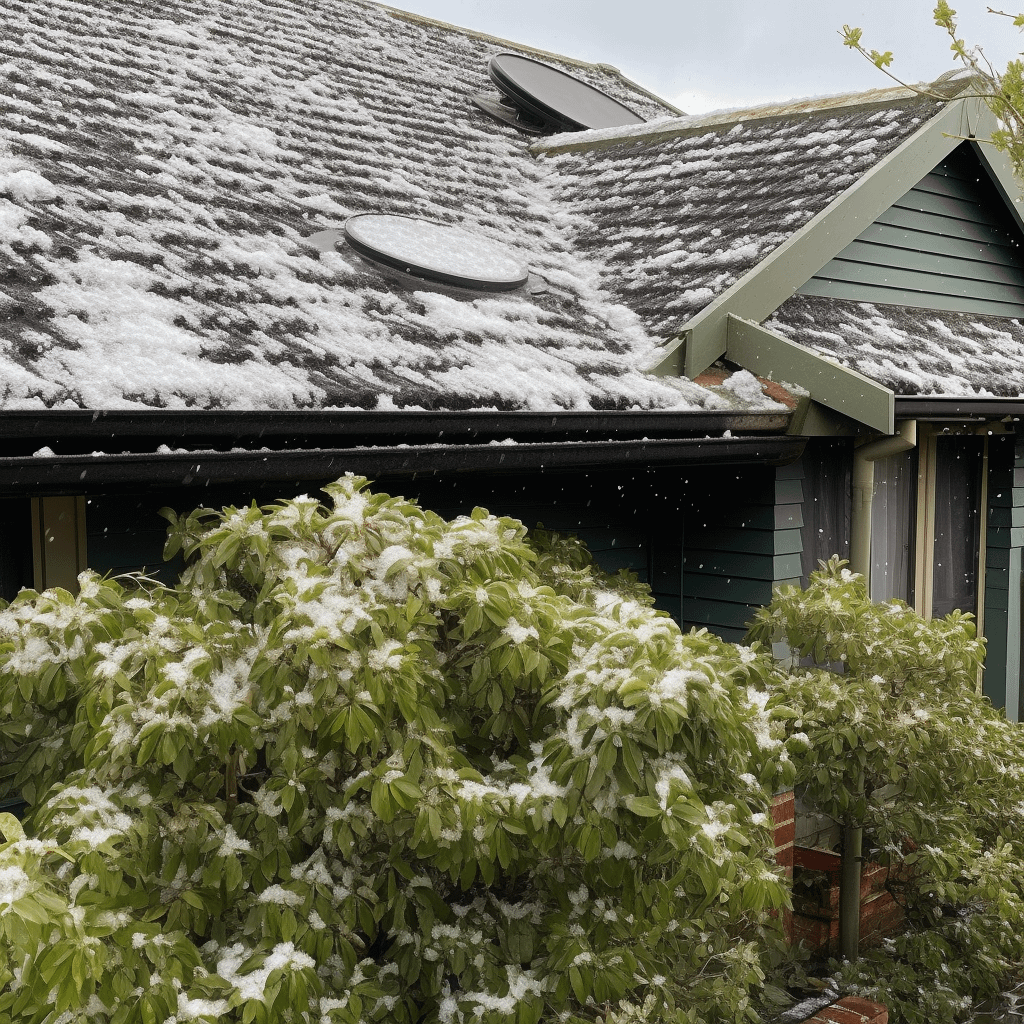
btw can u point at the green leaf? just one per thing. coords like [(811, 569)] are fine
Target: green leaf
[(10, 828)]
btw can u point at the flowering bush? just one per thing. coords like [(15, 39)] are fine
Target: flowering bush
[(363, 764), (888, 731)]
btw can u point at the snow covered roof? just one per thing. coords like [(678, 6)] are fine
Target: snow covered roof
[(911, 351), (676, 213), (160, 167), (161, 170)]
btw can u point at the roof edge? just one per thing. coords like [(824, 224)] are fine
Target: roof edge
[(78, 474), (766, 285), (949, 407), (473, 33), (55, 424), (671, 128)]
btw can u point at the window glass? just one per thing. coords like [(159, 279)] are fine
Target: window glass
[(893, 503), (958, 462), (827, 466)]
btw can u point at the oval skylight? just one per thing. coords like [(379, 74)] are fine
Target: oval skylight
[(563, 102), (436, 252)]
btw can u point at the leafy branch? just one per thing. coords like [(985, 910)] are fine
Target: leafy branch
[(1002, 92)]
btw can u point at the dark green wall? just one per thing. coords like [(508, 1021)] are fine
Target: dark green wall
[(743, 538), (629, 520), (15, 546), (949, 243), (1003, 572)]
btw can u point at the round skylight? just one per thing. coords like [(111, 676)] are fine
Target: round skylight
[(560, 100), (437, 252)]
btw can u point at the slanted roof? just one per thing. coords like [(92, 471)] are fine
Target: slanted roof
[(161, 165), (911, 351), (678, 212)]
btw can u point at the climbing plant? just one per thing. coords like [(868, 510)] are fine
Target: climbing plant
[(1001, 90)]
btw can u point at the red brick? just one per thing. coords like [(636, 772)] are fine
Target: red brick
[(785, 834), (838, 1014), (873, 1013), (784, 858), (816, 860), (851, 1009), (783, 808)]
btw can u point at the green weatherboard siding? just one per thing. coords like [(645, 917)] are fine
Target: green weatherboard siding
[(1003, 564), (948, 244), (629, 520), (743, 539)]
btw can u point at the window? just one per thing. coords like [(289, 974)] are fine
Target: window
[(957, 529), (893, 502)]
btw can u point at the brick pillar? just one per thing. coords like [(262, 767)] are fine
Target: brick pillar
[(784, 826), (784, 830)]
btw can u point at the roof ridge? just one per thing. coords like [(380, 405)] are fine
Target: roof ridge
[(397, 12), (666, 128)]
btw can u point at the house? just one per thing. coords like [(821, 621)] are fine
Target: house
[(715, 347), (867, 248)]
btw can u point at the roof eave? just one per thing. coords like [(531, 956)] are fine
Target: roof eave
[(373, 426), (83, 474)]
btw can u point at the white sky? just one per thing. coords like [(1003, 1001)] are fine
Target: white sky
[(707, 54)]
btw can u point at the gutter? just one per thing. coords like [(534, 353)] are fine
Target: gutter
[(864, 459), (79, 431), (931, 407), (83, 474)]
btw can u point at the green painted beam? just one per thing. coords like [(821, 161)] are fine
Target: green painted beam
[(846, 391), (759, 292), (1000, 168)]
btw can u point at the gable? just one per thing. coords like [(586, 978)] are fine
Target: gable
[(948, 244), (677, 220)]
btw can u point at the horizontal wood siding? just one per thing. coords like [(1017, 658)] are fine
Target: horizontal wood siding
[(1005, 541), (743, 539), (126, 534), (15, 546), (948, 244), (629, 520)]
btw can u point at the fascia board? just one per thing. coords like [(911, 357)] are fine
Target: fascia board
[(767, 354), (759, 292), (999, 167), (655, 132)]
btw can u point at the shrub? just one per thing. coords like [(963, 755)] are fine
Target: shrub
[(894, 736), (363, 764)]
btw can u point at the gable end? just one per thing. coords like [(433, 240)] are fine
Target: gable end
[(950, 243)]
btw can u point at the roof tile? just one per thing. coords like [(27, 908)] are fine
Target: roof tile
[(911, 351), (160, 168)]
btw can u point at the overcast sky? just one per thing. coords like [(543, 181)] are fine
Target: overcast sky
[(707, 54)]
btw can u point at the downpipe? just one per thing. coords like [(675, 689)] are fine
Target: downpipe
[(864, 459)]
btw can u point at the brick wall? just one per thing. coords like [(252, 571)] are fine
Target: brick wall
[(784, 824), (815, 917), (816, 909), (851, 1010)]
